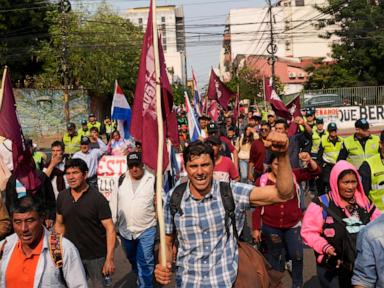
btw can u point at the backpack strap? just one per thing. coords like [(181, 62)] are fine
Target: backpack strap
[(56, 251), (175, 202), (229, 207), (121, 179)]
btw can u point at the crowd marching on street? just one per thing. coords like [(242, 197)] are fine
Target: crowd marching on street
[(65, 236), (218, 194)]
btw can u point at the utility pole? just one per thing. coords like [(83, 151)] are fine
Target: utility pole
[(272, 47), (64, 8)]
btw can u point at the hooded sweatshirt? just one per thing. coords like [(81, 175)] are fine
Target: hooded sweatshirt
[(313, 220)]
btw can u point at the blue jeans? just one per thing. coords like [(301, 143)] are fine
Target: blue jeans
[(140, 253), (243, 164), (281, 241)]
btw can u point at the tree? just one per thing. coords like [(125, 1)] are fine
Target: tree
[(359, 54), (22, 27), (249, 81), (97, 49)]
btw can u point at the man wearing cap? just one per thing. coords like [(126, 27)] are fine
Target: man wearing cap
[(91, 158), (84, 130), (71, 140), (317, 134), (360, 146), (228, 148), (372, 176), (136, 218), (93, 123), (224, 169), (271, 118), (329, 149), (109, 127)]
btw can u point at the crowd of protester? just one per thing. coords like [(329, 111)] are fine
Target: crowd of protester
[(310, 187)]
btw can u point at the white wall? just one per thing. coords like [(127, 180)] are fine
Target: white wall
[(173, 58), (303, 40)]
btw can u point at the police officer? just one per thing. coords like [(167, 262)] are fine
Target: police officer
[(71, 140), (330, 146), (93, 123), (84, 130), (360, 146), (317, 134), (372, 174), (109, 127)]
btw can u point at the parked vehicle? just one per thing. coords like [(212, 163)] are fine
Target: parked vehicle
[(324, 100)]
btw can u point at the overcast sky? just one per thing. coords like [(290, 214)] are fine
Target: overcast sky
[(202, 58)]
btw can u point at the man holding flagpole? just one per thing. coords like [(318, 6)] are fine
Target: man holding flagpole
[(207, 256)]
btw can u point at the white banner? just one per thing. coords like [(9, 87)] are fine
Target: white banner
[(109, 170), (345, 117)]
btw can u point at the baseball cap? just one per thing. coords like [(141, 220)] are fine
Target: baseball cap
[(310, 112), (212, 127), (362, 124), (91, 115), (271, 113), (70, 125), (107, 117), (214, 140), (256, 115), (319, 120), (83, 122), (134, 158), (85, 140), (332, 127)]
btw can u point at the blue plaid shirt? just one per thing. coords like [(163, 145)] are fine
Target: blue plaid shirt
[(207, 257)]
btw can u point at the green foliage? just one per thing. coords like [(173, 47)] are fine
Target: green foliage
[(178, 93), (249, 82), (359, 54), (22, 26), (99, 49)]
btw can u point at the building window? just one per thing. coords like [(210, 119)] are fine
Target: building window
[(140, 20), (164, 44), (163, 19), (299, 3)]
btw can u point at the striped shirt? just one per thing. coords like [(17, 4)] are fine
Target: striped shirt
[(206, 256)]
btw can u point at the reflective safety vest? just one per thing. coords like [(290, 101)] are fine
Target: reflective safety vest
[(109, 128), (316, 140), (377, 181), (71, 144), (97, 125), (331, 151), (82, 133), (38, 158), (356, 153)]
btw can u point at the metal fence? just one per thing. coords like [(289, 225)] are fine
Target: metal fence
[(369, 95)]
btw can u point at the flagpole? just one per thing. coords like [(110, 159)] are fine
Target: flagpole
[(160, 131)]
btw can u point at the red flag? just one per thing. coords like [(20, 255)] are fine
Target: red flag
[(24, 167), (294, 108), (213, 110), (218, 91), (144, 117), (275, 101)]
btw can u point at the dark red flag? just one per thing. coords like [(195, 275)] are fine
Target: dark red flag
[(144, 117), (218, 91), (275, 101), (213, 110), (294, 108), (24, 167)]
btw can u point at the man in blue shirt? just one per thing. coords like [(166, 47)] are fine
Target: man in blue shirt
[(369, 264), (206, 256)]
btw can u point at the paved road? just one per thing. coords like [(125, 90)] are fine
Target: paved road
[(125, 278)]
